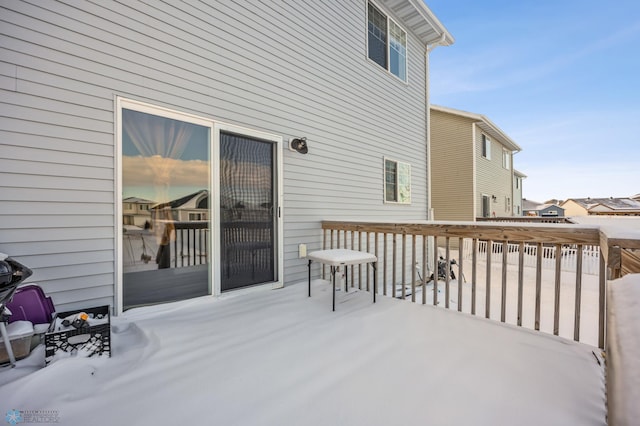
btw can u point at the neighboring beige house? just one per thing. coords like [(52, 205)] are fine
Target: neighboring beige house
[(136, 211), (601, 206), (471, 167)]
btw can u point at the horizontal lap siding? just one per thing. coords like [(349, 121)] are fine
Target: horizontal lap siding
[(288, 68), (451, 166), (492, 178)]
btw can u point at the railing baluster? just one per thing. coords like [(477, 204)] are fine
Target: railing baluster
[(413, 268), (360, 265), (384, 267), (404, 265), (503, 307), (538, 283), (393, 276), (576, 321), (424, 269), (194, 247), (324, 247), (556, 301), (446, 272), (602, 300), (520, 280), (435, 271), (460, 272), (487, 306), (366, 237), (353, 247), (175, 248), (474, 273), (182, 256)]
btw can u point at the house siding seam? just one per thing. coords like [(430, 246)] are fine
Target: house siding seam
[(266, 66)]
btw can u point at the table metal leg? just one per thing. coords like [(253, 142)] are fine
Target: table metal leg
[(309, 277), (346, 278), (375, 289), (333, 273)]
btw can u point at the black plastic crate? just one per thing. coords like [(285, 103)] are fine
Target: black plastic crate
[(92, 340)]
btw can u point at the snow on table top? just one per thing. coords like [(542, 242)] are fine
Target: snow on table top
[(341, 257), (277, 357)]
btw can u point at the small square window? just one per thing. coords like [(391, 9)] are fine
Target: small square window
[(397, 182)]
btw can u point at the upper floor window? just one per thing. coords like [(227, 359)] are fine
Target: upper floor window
[(517, 183), (506, 159), (397, 182), (486, 147), (387, 42)]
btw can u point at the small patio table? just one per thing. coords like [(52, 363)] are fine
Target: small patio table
[(342, 257)]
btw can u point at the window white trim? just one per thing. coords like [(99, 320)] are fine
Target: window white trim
[(506, 159), (486, 146), (387, 42), (402, 193), (482, 205), (120, 104)]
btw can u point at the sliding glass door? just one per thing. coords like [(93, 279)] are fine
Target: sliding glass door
[(166, 213)]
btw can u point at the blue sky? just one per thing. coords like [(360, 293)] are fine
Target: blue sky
[(561, 78)]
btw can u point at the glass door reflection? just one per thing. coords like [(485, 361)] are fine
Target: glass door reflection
[(166, 215)]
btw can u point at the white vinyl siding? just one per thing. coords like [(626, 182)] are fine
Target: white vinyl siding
[(267, 66)]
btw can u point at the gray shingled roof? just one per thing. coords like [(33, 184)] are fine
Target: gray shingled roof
[(612, 203)]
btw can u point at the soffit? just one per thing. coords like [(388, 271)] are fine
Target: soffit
[(484, 124), (419, 19)]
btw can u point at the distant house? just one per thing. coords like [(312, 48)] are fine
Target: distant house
[(472, 167), (192, 207), (136, 211), (602, 206), (535, 209), (518, 178)]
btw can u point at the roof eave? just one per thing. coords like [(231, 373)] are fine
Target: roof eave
[(485, 124), (420, 20)]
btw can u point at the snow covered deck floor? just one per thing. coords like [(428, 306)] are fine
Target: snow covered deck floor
[(277, 357)]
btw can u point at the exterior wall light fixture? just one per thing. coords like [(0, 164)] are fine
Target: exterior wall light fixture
[(299, 145)]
